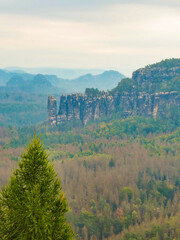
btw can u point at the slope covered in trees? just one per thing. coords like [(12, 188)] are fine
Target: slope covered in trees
[(121, 177)]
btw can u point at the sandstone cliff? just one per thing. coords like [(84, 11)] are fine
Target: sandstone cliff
[(140, 95)]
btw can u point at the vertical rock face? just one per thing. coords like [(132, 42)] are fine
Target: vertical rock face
[(144, 104), (77, 101), (69, 108), (138, 96), (163, 100), (74, 106), (77, 107), (52, 111), (88, 108), (62, 114)]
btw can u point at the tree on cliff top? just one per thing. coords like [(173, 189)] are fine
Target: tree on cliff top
[(32, 205)]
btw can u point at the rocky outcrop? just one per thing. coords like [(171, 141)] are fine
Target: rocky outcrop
[(87, 108), (137, 96), (78, 107), (52, 111), (150, 77)]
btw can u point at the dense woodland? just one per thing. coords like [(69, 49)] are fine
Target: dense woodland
[(121, 177)]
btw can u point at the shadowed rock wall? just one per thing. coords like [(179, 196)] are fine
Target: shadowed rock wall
[(87, 108)]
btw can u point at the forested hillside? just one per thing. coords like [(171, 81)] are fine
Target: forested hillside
[(121, 177)]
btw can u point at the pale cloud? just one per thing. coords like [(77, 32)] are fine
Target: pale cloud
[(56, 7), (121, 36)]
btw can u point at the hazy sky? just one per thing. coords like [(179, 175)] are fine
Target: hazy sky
[(114, 34)]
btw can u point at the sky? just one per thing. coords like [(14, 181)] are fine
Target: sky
[(105, 34)]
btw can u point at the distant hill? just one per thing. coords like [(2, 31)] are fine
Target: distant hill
[(66, 73), (39, 85), (5, 76), (21, 81), (104, 81)]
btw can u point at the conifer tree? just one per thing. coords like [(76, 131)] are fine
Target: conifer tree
[(32, 205)]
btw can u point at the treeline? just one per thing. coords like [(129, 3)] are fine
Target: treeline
[(131, 128)]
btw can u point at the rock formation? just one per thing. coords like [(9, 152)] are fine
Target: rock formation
[(85, 108), (52, 111), (141, 97)]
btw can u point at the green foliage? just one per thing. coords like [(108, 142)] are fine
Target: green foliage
[(166, 190), (87, 219), (112, 163), (173, 62), (157, 82), (32, 205), (125, 84), (138, 126), (93, 92), (126, 192), (22, 109), (173, 85)]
